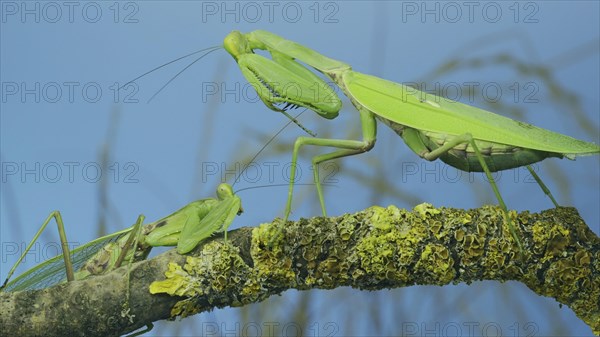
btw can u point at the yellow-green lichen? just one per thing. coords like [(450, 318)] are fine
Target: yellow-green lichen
[(473, 232), (495, 257), (346, 227), (377, 258), (218, 271), (389, 249), (179, 282), (473, 247), (317, 246), (436, 264), (441, 228), (426, 209), (379, 247), (486, 241), (380, 217), (334, 269), (271, 264), (567, 275), (550, 242)]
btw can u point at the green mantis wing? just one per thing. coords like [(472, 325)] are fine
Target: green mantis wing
[(197, 229), (52, 271), (168, 229), (423, 111)]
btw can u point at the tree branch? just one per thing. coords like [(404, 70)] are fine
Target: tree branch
[(374, 249)]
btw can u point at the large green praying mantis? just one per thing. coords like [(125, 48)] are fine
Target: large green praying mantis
[(185, 228), (462, 136)]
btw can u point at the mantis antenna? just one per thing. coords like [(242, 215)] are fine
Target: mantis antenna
[(292, 119), (212, 49), (208, 50), (237, 178), (205, 52)]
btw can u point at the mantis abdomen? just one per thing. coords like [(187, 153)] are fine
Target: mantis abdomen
[(107, 258), (462, 156)]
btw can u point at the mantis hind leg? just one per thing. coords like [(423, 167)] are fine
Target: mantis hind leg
[(542, 185), (323, 158), (63, 242), (467, 138), (345, 148), (348, 148), (131, 243), (511, 226)]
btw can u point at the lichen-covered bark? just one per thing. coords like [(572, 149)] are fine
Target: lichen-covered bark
[(374, 249)]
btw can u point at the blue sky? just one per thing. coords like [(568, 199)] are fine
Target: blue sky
[(61, 65)]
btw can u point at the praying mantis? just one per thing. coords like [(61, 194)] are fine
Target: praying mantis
[(465, 137), (185, 228)]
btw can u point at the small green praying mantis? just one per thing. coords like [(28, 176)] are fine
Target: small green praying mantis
[(465, 137), (185, 228)]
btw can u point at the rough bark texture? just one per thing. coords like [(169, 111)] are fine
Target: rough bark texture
[(374, 249)]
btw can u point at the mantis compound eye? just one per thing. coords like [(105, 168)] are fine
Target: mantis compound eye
[(236, 44), (224, 191)]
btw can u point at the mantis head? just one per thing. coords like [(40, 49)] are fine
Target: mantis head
[(225, 191), (236, 44)]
